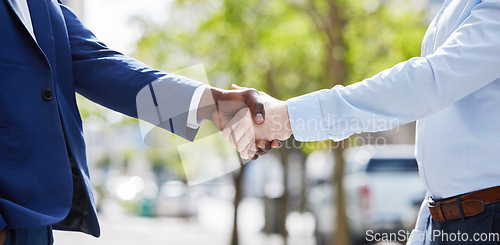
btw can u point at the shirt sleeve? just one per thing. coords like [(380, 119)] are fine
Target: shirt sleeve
[(192, 120), (419, 234), (413, 89)]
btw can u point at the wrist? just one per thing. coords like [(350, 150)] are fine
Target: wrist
[(284, 129), (287, 130), (207, 107)]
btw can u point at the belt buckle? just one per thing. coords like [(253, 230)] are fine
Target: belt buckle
[(431, 203)]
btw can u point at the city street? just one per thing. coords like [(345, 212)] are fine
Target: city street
[(128, 230), (213, 226)]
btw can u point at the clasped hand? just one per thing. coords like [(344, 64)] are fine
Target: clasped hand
[(243, 133), (241, 115)]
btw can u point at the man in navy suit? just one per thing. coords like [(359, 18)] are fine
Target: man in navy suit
[(46, 56)]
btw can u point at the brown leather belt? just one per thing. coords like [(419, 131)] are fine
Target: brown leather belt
[(470, 204)]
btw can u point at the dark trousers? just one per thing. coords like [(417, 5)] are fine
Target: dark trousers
[(33, 236), (483, 229)]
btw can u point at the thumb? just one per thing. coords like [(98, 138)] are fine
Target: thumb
[(255, 105), (236, 87)]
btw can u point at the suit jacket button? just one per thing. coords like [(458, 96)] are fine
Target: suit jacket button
[(47, 94)]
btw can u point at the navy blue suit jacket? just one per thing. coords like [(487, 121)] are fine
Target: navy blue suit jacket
[(39, 118)]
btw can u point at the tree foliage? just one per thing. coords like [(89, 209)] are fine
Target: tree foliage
[(285, 47), (276, 46)]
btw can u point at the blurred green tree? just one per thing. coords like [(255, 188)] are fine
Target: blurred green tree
[(286, 48)]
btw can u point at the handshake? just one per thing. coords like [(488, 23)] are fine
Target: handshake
[(251, 121)]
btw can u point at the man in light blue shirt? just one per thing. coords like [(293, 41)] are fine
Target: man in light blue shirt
[(452, 91)]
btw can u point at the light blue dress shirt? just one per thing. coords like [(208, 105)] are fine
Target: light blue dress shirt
[(452, 90)]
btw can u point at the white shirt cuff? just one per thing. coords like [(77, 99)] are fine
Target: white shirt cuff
[(192, 119), (305, 115)]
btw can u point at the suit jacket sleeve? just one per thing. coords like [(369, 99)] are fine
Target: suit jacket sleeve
[(126, 85), (3, 223)]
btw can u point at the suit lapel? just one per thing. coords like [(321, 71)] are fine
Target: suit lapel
[(42, 27), (17, 10)]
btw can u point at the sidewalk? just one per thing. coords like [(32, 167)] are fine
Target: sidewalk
[(129, 230)]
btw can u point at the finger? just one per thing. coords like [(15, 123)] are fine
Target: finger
[(239, 137), (255, 105), (264, 145), (249, 151), (247, 139), (240, 134), (236, 87), (227, 135), (276, 144), (244, 133), (260, 152), (255, 157), (236, 127), (261, 143)]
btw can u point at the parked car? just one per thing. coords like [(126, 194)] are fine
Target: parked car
[(383, 189)]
